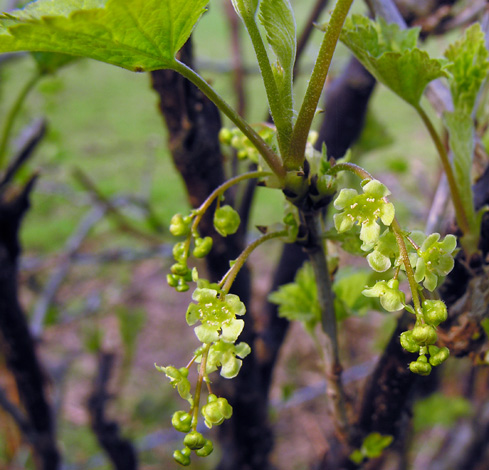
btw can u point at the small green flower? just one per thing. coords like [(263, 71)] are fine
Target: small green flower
[(178, 380), (385, 250), (435, 260), (225, 355), (391, 298), (217, 314), (364, 209)]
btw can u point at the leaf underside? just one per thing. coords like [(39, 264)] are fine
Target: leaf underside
[(139, 35)]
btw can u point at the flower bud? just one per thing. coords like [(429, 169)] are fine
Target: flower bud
[(421, 366), (181, 421), (179, 269), (206, 450), (424, 335), (182, 456), (438, 355), (178, 226), (226, 221), (202, 247), (408, 343), (435, 312), (194, 440), (172, 280)]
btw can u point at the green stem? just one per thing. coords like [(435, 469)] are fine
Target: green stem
[(13, 114), (352, 168), (198, 388), (228, 279), (316, 251), (413, 285), (221, 190), (460, 213), (275, 101), (295, 157), (270, 157)]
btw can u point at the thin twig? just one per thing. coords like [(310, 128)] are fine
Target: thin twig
[(31, 137), (59, 275), (18, 416), (112, 210)]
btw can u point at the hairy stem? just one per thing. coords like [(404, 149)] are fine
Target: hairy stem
[(413, 285), (12, 115), (275, 101), (295, 157), (270, 157), (316, 251), (221, 189), (230, 276), (460, 213), (198, 387)]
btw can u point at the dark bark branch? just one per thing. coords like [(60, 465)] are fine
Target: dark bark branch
[(237, 58), (34, 135), (345, 104), (16, 340), (120, 450)]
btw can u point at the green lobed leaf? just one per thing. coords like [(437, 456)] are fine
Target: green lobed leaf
[(139, 35), (390, 55), (298, 300), (440, 410), (468, 67), (277, 17)]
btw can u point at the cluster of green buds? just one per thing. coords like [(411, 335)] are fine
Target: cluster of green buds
[(422, 338), (244, 148), (429, 257), (226, 222), (181, 274)]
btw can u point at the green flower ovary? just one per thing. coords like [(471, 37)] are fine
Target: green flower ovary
[(435, 260), (365, 209), (217, 314)]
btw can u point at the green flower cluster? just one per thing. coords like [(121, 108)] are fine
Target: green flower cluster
[(364, 209), (422, 338), (243, 146)]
